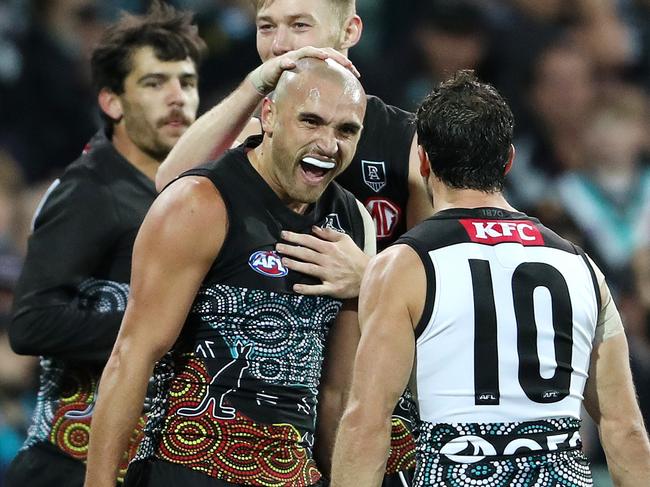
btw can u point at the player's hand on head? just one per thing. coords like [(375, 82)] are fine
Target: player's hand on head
[(266, 76), (328, 255)]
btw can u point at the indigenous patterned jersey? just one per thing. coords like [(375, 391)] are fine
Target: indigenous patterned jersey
[(237, 394), (503, 351), (73, 290), (378, 174)]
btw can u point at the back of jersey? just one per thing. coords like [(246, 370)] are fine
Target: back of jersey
[(504, 343), (509, 322)]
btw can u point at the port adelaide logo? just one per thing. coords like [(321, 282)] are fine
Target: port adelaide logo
[(374, 174), (332, 222), (267, 263)]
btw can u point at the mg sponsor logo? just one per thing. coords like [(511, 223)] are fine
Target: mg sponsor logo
[(268, 263), (386, 215)]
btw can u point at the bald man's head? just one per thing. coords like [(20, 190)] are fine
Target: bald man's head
[(309, 73), (312, 126)]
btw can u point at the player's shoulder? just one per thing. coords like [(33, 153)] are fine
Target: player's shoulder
[(192, 197), (378, 109), (398, 258), (554, 240), (98, 165)]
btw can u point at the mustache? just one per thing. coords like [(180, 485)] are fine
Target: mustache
[(175, 116)]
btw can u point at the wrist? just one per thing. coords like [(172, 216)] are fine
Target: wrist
[(258, 84)]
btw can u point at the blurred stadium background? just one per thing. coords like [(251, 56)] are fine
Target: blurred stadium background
[(576, 72)]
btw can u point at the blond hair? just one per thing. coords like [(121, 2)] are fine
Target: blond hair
[(343, 8)]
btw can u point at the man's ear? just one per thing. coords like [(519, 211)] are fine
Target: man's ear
[(351, 32), (267, 115), (511, 159), (110, 104), (425, 165)]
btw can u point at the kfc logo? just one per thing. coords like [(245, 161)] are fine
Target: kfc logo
[(493, 232)]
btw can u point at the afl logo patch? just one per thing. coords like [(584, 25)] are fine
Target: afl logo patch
[(268, 263)]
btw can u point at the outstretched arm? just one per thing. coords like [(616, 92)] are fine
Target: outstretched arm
[(216, 130), (390, 305), (172, 254)]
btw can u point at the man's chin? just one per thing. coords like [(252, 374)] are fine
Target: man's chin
[(309, 195)]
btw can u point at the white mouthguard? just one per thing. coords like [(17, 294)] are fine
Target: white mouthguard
[(318, 163)]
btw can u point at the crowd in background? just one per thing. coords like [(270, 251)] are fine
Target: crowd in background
[(576, 73)]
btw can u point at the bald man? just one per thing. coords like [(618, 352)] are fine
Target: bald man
[(239, 354)]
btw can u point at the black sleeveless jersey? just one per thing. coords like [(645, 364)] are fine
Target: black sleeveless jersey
[(237, 394), (378, 174)]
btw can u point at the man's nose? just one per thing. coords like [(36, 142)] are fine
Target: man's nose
[(176, 95), (327, 143), (281, 42)]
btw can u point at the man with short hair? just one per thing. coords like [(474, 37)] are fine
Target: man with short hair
[(500, 326), (236, 395), (383, 175), (73, 289)]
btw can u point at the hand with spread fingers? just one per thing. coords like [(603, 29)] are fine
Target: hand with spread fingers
[(266, 76), (328, 255)]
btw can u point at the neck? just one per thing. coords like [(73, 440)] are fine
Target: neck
[(446, 198), (261, 160), (133, 154)]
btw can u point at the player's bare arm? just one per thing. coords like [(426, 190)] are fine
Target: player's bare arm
[(419, 205), (330, 256), (335, 381), (172, 253), (229, 122), (390, 305), (610, 399)]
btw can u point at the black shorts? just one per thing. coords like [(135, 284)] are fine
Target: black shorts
[(43, 465), (159, 473)]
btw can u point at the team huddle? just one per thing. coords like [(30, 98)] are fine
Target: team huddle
[(307, 286)]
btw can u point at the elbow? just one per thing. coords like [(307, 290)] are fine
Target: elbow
[(616, 435), (363, 422)]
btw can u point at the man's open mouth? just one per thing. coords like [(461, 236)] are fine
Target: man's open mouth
[(315, 169)]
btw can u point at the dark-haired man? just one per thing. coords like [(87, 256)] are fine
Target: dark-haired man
[(235, 400), (501, 327), (73, 290)]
